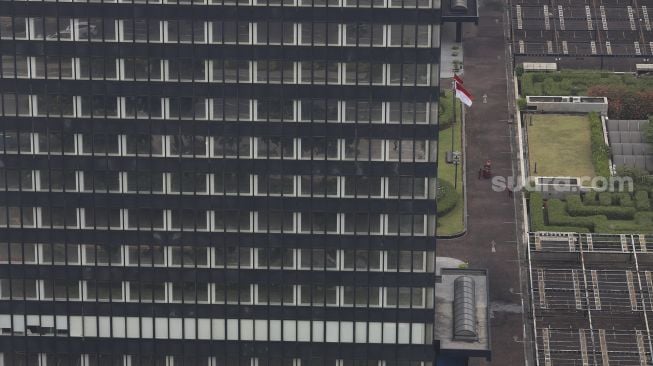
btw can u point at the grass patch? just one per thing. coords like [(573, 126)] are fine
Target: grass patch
[(453, 222), (572, 82), (446, 110), (560, 145)]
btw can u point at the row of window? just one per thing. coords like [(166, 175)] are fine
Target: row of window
[(219, 32), (106, 359), (193, 183), (227, 256), (287, 148), (217, 220), (219, 329), (220, 71), (408, 4), (218, 109), (212, 293)]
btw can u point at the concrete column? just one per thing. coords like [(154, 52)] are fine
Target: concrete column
[(459, 32)]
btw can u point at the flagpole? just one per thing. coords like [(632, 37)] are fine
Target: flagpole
[(453, 103)]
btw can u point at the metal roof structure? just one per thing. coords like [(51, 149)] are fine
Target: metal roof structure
[(591, 298), (628, 142), (462, 318), (574, 30), (464, 309)]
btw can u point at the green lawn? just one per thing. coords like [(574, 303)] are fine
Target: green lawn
[(560, 145), (452, 222), (571, 82)]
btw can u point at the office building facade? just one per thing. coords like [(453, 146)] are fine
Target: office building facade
[(218, 182)]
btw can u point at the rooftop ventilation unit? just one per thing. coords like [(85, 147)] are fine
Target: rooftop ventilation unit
[(459, 5), (464, 309)]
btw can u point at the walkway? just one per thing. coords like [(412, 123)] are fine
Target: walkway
[(491, 240)]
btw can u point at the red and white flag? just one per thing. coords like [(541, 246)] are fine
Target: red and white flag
[(458, 80), (462, 93)]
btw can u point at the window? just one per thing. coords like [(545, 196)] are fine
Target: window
[(230, 32), (141, 68), (186, 69), (231, 71), (274, 33), (363, 186), (320, 34), (145, 181), (319, 222), (275, 110), (275, 148), (232, 184), (230, 220), (273, 71), (319, 148), (232, 257), (15, 105), (189, 220), (185, 31), (319, 186), (275, 258), (276, 221), (231, 109), (276, 184), (11, 179), (231, 147), (145, 145), (100, 144), (146, 219), (362, 223)]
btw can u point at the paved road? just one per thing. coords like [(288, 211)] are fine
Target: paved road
[(491, 214)]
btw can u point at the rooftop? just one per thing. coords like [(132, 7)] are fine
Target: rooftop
[(446, 318)]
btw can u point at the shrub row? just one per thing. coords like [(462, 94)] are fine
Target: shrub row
[(642, 202), (558, 216), (447, 197), (535, 204), (576, 208), (600, 151)]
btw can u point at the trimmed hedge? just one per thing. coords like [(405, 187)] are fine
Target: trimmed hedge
[(576, 215), (576, 208), (590, 198), (446, 197), (535, 204), (600, 151), (558, 216), (642, 202), (625, 200)]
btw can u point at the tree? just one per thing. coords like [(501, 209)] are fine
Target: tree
[(625, 103)]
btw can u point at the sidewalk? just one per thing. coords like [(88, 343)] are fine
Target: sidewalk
[(491, 240)]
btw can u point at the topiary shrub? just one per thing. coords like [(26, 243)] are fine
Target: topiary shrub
[(446, 197), (625, 200), (590, 198), (605, 199)]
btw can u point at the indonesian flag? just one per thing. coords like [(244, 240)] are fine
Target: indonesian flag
[(462, 94), (457, 79)]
